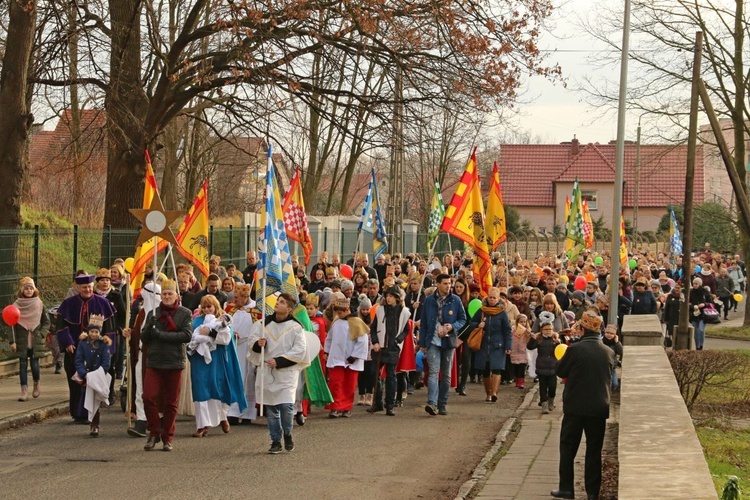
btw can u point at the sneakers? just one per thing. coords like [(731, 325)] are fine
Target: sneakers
[(167, 446), (58, 368), (94, 431), (389, 411), (138, 430), (346, 414), (375, 409), (334, 414), (151, 443), (551, 403), (275, 448), (442, 411), (430, 409), (288, 443), (545, 408)]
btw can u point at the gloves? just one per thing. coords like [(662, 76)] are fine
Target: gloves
[(351, 360)]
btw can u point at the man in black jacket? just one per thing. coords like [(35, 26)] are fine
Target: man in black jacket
[(166, 331), (588, 366)]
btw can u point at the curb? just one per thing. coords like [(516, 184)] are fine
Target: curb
[(482, 470), (34, 416)]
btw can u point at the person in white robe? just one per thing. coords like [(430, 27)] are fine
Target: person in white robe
[(242, 322), (280, 348)]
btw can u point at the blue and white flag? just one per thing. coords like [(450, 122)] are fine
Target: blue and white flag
[(275, 259), (372, 221), (674, 235)]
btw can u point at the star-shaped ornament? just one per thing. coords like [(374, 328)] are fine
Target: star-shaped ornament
[(156, 221)]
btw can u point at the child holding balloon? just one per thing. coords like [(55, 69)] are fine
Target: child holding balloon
[(29, 323), (546, 342)]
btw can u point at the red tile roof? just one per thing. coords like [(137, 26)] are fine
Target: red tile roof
[(528, 172)]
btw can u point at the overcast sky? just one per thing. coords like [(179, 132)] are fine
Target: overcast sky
[(554, 113)]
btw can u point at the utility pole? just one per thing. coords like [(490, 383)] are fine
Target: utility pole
[(682, 338), (619, 165)]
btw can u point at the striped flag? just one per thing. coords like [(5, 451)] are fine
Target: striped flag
[(464, 219), (495, 223), (437, 212), (274, 258), (372, 221), (623, 246), (192, 238), (295, 216), (575, 240), (674, 234), (144, 254)]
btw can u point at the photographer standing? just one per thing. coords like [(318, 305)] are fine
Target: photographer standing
[(168, 328)]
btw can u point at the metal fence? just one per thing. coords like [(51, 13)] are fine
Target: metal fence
[(51, 256)]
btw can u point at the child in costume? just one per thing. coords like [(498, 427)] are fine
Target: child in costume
[(92, 355)]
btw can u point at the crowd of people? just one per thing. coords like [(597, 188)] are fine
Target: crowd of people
[(380, 331)]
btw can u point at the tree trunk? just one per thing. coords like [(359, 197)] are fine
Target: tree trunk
[(16, 117), (126, 105)]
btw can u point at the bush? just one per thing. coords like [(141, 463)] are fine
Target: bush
[(699, 370)]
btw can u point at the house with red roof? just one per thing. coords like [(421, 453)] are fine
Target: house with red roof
[(536, 179)]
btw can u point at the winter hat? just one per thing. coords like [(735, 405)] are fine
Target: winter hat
[(26, 280), (546, 318), (393, 290), (346, 285), (570, 316), (578, 295), (706, 271), (335, 284), (364, 302)]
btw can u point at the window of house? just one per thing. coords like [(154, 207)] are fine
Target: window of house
[(590, 197), (715, 183)]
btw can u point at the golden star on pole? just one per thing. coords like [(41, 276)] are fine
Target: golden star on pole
[(156, 221)]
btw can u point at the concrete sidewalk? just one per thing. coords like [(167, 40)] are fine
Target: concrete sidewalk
[(529, 469), (53, 398)]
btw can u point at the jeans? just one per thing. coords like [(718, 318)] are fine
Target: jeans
[(280, 416), (23, 364), (699, 333), (615, 381), (439, 361)]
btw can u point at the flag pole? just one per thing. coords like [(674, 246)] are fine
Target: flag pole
[(156, 255), (129, 387), (263, 336), (429, 258)]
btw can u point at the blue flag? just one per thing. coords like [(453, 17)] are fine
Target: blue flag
[(274, 257), (372, 221), (674, 235)]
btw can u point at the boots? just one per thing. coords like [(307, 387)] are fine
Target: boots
[(24, 393), (488, 389), (361, 401), (551, 403), (368, 399), (545, 408), (138, 430), (36, 392), (495, 381), (520, 382)]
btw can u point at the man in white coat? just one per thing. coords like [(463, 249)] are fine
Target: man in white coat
[(285, 354), (242, 322)]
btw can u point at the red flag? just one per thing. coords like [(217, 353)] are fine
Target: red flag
[(295, 217)]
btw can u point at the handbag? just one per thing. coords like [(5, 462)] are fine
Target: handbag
[(710, 314), (475, 338)]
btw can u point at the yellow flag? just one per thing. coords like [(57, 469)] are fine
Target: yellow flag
[(192, 238), (464, 219), (495, 223)]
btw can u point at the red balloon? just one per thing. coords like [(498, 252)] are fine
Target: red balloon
[(11, 315), (347, 271), (580, 283)]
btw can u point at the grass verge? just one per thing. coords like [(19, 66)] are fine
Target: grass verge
[(724, 332), (721, 421)]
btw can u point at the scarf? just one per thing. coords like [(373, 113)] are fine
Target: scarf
[(492, 311), (166, 313), (31, 312)]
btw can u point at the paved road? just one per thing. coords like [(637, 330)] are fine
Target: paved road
[(408, 456)]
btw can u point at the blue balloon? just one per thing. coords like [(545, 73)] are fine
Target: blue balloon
[(698, 269)]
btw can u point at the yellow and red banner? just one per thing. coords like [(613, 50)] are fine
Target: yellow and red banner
[(588, 226), (145, 253), (495, 223), (295, 216), (464, 219), (192, 238), (623, 246)]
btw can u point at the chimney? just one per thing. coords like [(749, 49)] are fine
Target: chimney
[(574, 146)]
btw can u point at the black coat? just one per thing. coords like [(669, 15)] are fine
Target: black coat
[(166, 349), (546, 362), (588, 366), (671, 310)]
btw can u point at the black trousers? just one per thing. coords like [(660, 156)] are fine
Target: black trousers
[(547, 387), (390, 386), (572, 429)]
